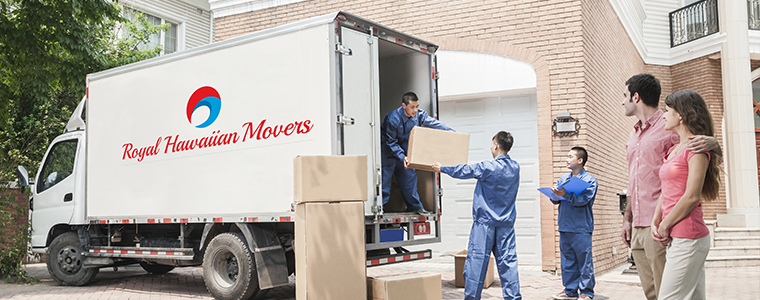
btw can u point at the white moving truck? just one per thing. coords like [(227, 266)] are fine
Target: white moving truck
[(186, 159)]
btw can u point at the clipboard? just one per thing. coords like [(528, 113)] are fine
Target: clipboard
[(576, 185), (548, 192)]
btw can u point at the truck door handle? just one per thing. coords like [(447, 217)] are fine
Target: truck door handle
[(68, 197)]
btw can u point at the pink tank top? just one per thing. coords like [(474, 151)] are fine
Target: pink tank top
[(673, 175)]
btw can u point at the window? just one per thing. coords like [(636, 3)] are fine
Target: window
[(59, 164), (167, 39)]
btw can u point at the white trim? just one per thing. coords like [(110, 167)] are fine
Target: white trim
[(755, 75), (223, 8), (202, 4), (754, 43), (153, 10), (632, 15), (691, 50)]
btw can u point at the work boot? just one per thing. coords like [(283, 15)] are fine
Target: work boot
[(422, 211), (563, 296)]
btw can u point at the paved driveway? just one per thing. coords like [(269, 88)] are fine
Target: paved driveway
[(132, 282)]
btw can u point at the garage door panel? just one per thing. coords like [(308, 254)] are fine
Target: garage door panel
[(528, 246), (520, 108), (482, 118), (469, 109)]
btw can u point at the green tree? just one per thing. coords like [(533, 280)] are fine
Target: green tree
[(46, 50), (47, 47)]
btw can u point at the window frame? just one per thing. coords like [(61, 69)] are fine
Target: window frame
[(175, 20), (41, 185)]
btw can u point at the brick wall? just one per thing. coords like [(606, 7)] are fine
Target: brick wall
[(552, 36), (609, 60), (18, 205), (704, 76), (754, 64)]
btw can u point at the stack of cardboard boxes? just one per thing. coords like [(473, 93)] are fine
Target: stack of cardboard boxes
[(329, 227)]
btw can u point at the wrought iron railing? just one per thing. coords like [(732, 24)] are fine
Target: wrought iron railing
[(753, 10), (694, 21)]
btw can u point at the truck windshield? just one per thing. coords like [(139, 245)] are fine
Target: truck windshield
[(58, 165)]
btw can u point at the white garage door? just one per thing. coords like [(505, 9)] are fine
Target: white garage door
[(482, 118)]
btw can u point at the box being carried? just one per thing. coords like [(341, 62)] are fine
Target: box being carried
[(459, 259), (427, 145), (410, 286)]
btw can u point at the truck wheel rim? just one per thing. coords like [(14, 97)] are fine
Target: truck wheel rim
[(69, 260), (227, 269)]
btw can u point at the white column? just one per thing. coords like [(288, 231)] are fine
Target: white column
[(739, 130)]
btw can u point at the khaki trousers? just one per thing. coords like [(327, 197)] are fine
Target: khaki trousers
[(650, 260), (684, 274)]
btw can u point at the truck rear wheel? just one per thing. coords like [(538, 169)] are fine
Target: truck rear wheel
[(65, 262), (229, 270), (157, 269)]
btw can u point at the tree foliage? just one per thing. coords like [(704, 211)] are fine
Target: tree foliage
[(47, 48)]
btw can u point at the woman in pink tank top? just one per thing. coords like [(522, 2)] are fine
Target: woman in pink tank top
[(687, 178)]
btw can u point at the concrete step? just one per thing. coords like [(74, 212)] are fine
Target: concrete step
[(737, 241), (736, 232), (732, 261), (753, 251)]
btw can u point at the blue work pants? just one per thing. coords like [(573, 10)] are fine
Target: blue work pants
[(577, 263), (407, 181), (485, 239)]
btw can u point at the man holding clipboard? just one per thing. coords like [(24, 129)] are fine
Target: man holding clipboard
[(575, 193)]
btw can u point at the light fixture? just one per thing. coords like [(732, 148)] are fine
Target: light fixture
[(565, 125)]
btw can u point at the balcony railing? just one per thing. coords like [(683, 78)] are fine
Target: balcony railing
[(753, 10), (695, 21)]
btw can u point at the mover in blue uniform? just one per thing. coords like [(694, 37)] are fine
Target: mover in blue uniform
[(576, 223), (493, 218), (395, 139)]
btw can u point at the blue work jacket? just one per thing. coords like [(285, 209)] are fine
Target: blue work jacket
[(575, 214), (396, 127), (493, 203)]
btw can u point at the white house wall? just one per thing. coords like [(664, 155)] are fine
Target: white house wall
[(194, 21)]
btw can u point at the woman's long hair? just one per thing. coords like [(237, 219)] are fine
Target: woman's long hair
[(694, 114)]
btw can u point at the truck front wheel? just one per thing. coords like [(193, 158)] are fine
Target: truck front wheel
[(229, 270), (65, 262)]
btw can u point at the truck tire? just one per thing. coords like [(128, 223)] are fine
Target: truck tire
[(156, 269), (65, 262), (229, 269)]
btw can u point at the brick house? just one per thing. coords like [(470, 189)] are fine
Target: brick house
[(516, 65)]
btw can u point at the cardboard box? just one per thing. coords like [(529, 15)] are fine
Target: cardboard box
[(410, 286), (459, 259), (330, 251), (427, 146), (330, 178)]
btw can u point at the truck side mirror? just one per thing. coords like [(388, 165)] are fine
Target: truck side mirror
[(23, 177)]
